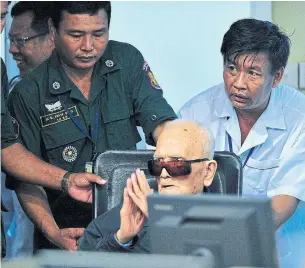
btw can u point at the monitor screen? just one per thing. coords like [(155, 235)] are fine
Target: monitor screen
[(81, 259), (233, 231)]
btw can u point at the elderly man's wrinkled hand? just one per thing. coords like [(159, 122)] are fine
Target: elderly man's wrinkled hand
[(80, 188), (132, 219), (138, 189)]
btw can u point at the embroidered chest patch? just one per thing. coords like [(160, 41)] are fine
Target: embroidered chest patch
[(57, 117), (52, 107), (69, 154)]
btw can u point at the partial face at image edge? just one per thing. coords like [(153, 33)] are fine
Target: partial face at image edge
[(37, 48), (4, 7)]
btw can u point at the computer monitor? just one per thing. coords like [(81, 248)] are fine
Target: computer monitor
[(235, 231), (81, 259)]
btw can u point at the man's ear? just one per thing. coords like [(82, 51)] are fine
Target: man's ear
[(278, 77), (211, 167), (51, 30)]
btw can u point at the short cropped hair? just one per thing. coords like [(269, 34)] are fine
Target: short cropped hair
[(247, 36), (79, 7), (41, 13)]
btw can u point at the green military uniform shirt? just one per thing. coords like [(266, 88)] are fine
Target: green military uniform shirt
[(4, 133), (123, 94), (8, 135), (9, 131)]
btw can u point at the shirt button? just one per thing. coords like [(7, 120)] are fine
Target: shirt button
[(56, 85), (153, 117)]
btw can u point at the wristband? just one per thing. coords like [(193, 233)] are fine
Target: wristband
[(65, 182), (125, 245)]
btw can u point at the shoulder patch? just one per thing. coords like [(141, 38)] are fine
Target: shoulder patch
[(152, 79), (15, 127)]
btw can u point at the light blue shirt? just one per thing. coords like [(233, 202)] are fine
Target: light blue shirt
[(278, 160), (277, 164)]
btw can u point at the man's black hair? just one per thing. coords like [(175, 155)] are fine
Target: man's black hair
[(79, 7), (247, 36), (41, 13)]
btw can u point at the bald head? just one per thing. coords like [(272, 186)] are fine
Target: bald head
[(183, 140), (194, 140)]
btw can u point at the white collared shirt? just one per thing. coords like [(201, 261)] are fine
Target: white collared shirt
[(277, 162)]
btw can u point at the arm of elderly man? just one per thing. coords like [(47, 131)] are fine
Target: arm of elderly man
[(134, 210), (123, 228)]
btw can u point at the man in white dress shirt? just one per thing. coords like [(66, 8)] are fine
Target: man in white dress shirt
[(256, 117)]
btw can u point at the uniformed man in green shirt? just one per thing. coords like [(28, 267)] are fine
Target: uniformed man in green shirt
[(4, 114), (16, 160), (6, 122), (88, 97)]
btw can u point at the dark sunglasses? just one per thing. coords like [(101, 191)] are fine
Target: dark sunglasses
[(174, 168)]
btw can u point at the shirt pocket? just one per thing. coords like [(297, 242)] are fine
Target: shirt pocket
[(121, 129), (62, 142), (258, 174)]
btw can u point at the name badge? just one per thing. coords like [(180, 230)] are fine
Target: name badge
[(55, 118), (89, 167)]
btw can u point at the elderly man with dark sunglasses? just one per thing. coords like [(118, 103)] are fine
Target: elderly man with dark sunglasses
[(181, 165)]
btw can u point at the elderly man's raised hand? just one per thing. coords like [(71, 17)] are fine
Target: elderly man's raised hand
[(138, 189), (134, 209), (132, 219), (80, 188)]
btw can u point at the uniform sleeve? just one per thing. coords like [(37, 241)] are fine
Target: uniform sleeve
[(99, 235), (26, 127), (8, 135), (4, 88), (150, 107), (289, 179), (24, 110)]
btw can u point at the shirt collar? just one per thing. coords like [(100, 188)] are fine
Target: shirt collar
[(223, 106), (272, 117), (108, 61), (57, 77)]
